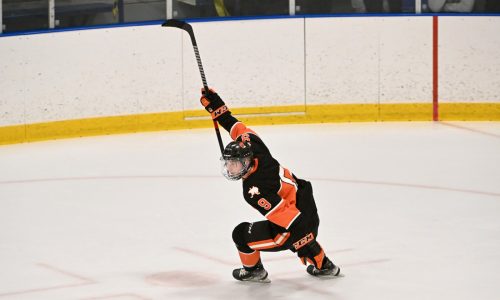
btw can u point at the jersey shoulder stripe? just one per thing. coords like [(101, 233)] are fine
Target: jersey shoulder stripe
[(287, 177), (238, 129), (285, 212)]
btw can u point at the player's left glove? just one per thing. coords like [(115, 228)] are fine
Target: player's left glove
[(213, 103)]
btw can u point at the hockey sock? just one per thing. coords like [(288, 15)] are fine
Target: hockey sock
[(250, 261)]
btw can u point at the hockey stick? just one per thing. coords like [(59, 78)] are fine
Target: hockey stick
[(189, 29)]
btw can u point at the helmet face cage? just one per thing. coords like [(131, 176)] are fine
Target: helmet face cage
[(236, 160)]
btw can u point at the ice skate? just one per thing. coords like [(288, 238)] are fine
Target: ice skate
[(328, 270), (259, 274)]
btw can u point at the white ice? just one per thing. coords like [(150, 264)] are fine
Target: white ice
[(408, 211)]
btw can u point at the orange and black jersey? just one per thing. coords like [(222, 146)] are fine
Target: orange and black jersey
[(268, 187)]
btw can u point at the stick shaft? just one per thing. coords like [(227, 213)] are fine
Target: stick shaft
[(189, 29), (200, 66)]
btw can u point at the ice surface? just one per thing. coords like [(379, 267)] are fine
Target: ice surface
[(408, 211)]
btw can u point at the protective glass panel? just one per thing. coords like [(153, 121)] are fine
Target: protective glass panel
[(323, 7), (142, 10), (20, 15), (25, 15), (75, 13), (228, 8), (307, 7), (461, 6)]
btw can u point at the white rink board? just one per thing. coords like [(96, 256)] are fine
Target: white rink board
[(369, 60), (405, 60), (469, 59), (89, 73), (251, 63), (342, 60)]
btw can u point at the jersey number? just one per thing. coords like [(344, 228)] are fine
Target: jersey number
[(264, 204)]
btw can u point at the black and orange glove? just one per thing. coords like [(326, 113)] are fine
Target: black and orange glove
[(213, 103)]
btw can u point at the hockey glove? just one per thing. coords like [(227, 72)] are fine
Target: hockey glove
[(213, 103)]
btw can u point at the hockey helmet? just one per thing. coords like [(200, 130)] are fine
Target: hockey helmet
[(236, 160)]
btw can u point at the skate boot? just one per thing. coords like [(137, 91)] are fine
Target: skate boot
[(328, 269), (255, 274)]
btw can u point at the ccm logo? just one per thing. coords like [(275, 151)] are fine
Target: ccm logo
[(220, 111), (303, 241)]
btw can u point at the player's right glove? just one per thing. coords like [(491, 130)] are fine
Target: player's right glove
[(213, 103)]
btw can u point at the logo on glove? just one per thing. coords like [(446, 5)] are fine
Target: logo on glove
[(219, 111)]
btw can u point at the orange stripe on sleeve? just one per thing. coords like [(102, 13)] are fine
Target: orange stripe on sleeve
[(239, 129)]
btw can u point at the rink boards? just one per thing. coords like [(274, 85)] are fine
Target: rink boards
[(269, 71)]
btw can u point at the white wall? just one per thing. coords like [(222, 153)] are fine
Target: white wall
[(133, 70), (80, 74), (369, 60), (252, 63), (469, 59)]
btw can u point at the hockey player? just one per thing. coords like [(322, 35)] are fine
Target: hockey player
[(286, 201)]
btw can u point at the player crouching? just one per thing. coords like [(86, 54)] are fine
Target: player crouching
[(286, 201)]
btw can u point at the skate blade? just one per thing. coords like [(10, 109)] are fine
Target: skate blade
[(267, 280), (329, 277)]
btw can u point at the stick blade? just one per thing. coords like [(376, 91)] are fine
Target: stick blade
[(176, 23)]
